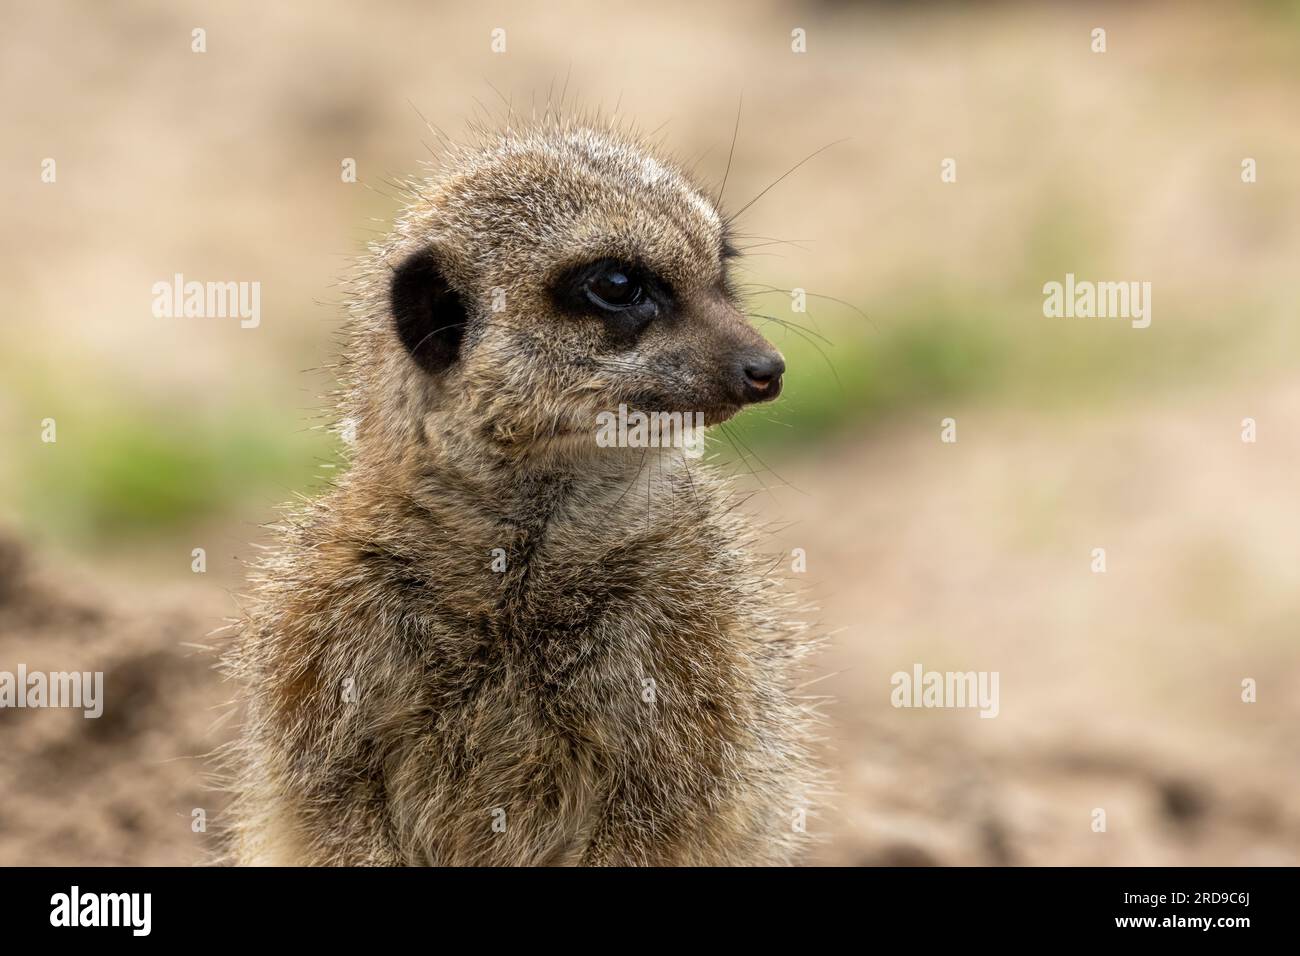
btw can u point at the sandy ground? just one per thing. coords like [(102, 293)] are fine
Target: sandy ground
[(1119, 691), (119, 789)]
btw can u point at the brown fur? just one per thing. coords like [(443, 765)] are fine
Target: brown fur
[(525, 691)]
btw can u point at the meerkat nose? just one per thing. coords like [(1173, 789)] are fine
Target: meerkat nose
[(760, 376)]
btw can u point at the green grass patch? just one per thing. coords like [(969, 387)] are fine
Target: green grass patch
[(126, 473), (920, 351), (870, 367)]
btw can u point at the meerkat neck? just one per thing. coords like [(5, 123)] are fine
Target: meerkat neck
[(529, 491)]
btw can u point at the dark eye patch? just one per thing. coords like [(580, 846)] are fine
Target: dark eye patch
[(624, 296)]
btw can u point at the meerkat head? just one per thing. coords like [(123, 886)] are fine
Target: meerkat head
[(555, 273)]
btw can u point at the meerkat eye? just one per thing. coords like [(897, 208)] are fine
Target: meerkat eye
[(614, 288), (623, 296)]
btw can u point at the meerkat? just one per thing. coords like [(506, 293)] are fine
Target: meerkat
[(494, 641)]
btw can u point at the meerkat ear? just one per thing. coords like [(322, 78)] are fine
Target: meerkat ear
[(429, 315)]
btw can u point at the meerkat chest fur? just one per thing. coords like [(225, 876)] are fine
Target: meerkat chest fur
[(496, 641)]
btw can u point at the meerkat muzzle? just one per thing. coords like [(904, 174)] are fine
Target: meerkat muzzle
[(759, 377)]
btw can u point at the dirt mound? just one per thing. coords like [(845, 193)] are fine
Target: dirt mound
[(121, 788)]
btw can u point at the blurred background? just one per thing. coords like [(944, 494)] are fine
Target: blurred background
[(1119, 691)]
